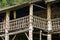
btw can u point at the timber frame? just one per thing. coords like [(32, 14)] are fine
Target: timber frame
[(28, 23)]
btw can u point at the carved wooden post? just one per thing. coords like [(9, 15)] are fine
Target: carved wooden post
[(49, 20), (40, 34), (14, 14), (7, 26), (30, 22)]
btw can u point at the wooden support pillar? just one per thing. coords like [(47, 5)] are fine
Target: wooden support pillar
[(40, 34), (14, 14), (49, 20), (30, 22), (49, 37), (7, 25)]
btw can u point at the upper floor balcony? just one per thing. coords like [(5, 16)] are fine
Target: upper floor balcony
[(23, 23), (39, 20)]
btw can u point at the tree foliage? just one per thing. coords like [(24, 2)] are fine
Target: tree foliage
[(7, 3)]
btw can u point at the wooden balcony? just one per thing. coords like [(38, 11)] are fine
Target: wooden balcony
[(23, 23), (16, 24), (56, 24)]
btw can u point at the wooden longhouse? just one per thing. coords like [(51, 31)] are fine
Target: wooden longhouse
[(41, 17)]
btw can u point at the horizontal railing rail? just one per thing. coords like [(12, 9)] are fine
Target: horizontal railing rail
[(56, 24), (23, 23), (40, 22), (19, 23), (16, 24)]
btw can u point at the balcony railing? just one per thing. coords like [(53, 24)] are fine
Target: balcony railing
[(20, 23), (56, 24), (39, 22), (2, 27), (23, 23)]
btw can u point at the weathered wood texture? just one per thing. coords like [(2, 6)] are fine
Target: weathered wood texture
[(30, 22), (7, 25), (38, 22)]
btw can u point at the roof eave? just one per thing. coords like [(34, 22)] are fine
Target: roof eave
[(14, 7)]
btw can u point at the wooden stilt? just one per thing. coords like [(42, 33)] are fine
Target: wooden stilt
[(13, 37), (49, 20), (40, 34), (30, 20), (7, 26), (27, 36), (2, 38), (49, 37)]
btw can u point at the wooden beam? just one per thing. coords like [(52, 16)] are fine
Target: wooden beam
[(49, 20), (14, 14), (49, 11), (40, 34), (39, 6), (49, 37), (44, 34), (30, 21), (17, 32), (2, 38), (14, 37), (7, 25), (26, 35)]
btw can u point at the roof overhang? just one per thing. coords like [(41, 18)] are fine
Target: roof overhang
[(14, 7)]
